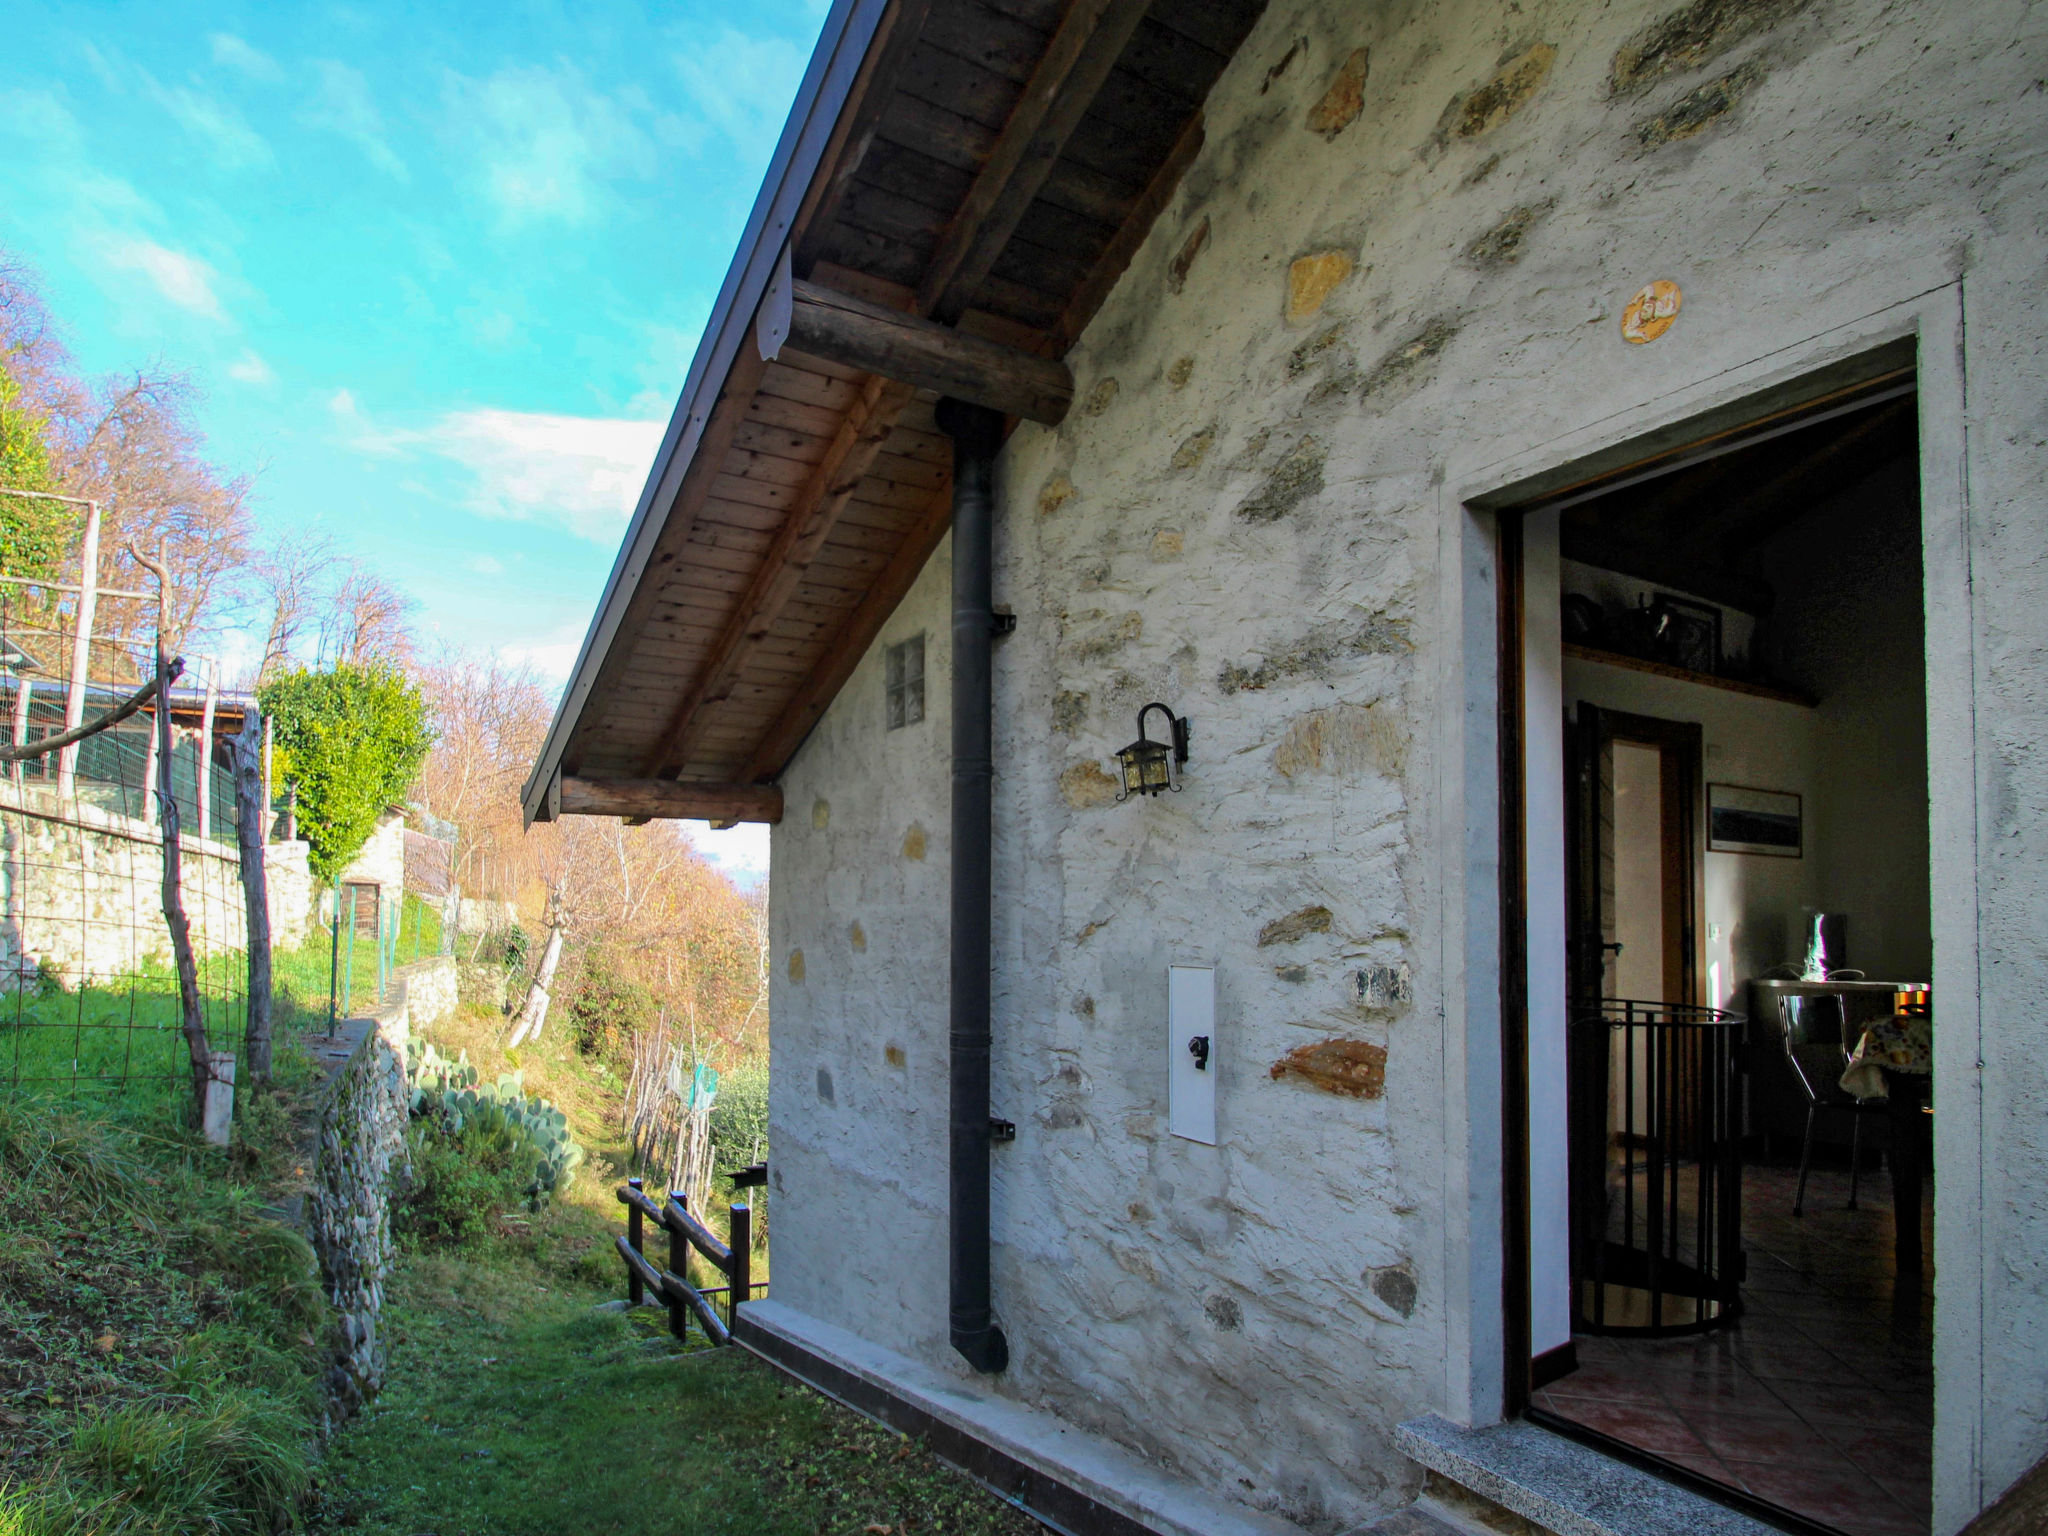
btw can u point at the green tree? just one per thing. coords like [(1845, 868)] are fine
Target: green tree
[(33, 533), (352, 739)]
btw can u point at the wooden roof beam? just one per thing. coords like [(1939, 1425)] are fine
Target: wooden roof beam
[(648, 799), (1076, 64), (817, 691), (877, 340), (803, 533)]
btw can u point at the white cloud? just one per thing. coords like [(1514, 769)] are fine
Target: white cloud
[(484, 565), (38, 117), (235, 146), (545, 143), (743, 85), (251, 369), (235, 54), (552, 659), (580, 474), (739, 853), (343, 105), (185, 280)]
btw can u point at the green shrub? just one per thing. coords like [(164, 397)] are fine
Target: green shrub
[(464, 1176), (739, 1115), (352, 739), (608, 1010)]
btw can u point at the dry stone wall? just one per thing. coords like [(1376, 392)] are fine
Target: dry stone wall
[(1402, 256), (358, 1152)]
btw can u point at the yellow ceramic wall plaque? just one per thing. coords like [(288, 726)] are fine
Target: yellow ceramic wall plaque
[(1650, 313)]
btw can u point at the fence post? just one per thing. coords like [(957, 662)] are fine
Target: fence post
[(81, 644), (334, 963), (679, 1264), (741, 1238), (348, 969), (635, 1292), (217, 1105)]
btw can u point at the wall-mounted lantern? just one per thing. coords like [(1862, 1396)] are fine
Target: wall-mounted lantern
[(1151, 766)]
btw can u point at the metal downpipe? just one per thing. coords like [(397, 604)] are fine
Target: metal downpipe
[(977, 434)]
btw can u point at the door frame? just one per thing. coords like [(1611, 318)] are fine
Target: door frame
[(1481, 491), (1682, 842)]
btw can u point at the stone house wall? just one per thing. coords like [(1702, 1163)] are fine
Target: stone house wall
[(1393, 280), (382, 860)]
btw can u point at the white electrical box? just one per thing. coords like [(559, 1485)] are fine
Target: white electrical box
[(1191, 1055)]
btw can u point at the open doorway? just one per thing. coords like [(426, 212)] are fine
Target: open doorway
[(1734, 642)]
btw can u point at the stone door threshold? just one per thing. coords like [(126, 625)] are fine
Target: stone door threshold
[(1077, 1483), (1565, 1486)]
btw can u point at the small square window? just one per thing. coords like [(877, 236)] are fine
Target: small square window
[(905, 678)]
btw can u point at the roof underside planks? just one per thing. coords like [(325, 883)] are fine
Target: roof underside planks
[(987, 163)]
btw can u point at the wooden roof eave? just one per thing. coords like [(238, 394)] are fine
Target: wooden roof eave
[(795, 500), (806, 138)]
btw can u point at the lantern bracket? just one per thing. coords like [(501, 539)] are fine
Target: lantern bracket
[(1149, 766)]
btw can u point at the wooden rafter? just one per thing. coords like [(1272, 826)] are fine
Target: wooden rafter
[(895, 38), (1137, 224), (1073, 70), (1076, 64), (850, 643), (706, 465), (838, 475)]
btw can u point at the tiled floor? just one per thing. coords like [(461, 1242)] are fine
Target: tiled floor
[(1821, 1397)]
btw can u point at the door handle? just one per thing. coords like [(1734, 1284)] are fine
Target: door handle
[(1198, 1047)]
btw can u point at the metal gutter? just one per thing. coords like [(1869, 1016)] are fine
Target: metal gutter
[(835, 63)]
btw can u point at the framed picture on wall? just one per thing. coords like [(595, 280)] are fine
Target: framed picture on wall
[(1743, 820)]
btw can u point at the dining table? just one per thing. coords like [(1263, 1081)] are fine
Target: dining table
[(1894, 1061)]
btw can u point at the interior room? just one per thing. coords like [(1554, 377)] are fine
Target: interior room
[(1749, 968)]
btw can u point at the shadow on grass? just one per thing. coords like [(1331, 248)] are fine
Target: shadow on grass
[(514, 1408)]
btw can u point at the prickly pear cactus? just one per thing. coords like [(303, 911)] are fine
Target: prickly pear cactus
[(453, 1092)]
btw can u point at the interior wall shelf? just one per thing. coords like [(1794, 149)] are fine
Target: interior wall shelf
[(1687, 675)]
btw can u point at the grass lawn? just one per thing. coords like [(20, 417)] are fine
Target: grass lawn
[(158, 1333), (514, 1407)]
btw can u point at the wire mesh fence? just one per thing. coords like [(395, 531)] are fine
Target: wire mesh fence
[(89, 992)]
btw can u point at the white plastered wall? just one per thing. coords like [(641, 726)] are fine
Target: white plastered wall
[(1258, 1314)]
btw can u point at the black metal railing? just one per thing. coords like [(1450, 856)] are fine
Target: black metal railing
[(1656, 1171)]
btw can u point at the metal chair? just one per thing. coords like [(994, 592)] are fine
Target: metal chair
[(1816, 1047)]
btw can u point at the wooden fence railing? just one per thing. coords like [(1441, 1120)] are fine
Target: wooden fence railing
[(671, 1286)]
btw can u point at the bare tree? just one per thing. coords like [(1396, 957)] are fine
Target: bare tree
[(534, 1015), (367, 620), (130, 443), (287, 584)]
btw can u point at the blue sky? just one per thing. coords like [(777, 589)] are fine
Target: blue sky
[(439, 269)]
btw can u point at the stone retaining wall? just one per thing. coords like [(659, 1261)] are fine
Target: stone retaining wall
[(359, 1145), (81, 891)]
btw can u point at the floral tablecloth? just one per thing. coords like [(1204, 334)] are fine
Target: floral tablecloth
[(1904, 1043)]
